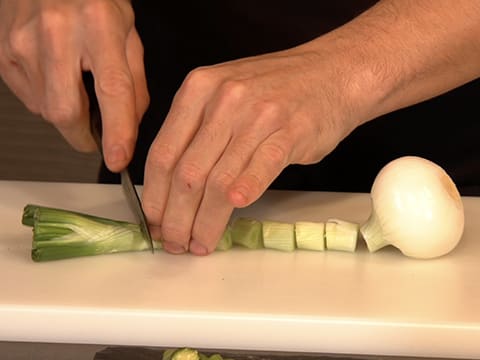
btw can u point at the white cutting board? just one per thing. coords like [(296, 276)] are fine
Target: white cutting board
[(330, 302)]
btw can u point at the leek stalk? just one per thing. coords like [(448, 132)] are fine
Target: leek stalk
[(61, 234)]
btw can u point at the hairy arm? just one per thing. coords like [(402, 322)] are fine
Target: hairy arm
[(402, 52)]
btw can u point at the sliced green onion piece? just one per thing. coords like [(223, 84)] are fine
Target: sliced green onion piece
[(278, 235), (226, 241), (185, 354), (341, 235), (247, 232), (310, 235)]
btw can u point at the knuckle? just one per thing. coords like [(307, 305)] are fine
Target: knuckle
[(97, 10), (162, 158), (60, 115), (52, 20), (175, 233), (269, 113), (95, 7), (275, 154), (19, 43), (220, 181), (153, 211), (101, 14), (189, 177), (115, 82), (198, 79), (254, 184), (53, 24), (233, 90)]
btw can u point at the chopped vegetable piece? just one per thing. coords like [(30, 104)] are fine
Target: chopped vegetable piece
[(278, 235), (247, 232), (189, 354), (226, 241), (185, 354), (310, 235), (341, 235)]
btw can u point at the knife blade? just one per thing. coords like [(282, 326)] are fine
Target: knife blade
[(127, 185)]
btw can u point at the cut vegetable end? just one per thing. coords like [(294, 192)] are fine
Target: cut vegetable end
[(310, 235), (341, 235), (226, 241), (371, 232), (185, 354), (278, 235), (189, 354), (247, 232), (61, 234)]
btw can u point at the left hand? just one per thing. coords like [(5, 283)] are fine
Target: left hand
[(231, 130)]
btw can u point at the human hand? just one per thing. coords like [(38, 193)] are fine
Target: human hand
[(231, 130), (44, 47)]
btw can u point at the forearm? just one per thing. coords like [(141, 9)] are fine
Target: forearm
[(401, 52)]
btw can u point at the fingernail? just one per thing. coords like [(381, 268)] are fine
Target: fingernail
[(174, 248), (116, 154), (198, 249)]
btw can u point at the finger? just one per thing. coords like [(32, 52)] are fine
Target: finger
[(137, 68), (179, 127), (208, 229), (116, 96), (268, 161), (190, 175), (64, 102), (231, 135)]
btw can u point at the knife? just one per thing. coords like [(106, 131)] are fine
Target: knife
[(127, 184)]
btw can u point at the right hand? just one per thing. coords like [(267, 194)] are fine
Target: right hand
[(44, 47)]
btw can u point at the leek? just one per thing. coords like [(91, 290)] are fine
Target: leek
[(226, 241), (278, 235), (60, 234), (247, 232), (310, 235), (341, 235)]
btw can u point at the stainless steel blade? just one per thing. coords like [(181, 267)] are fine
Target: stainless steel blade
[(135, 204)]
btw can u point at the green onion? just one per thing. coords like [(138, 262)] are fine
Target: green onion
[(278, 235), (341, 235), (226, 241), (247, 232), (310, 235), (60, 234), (181, 354)]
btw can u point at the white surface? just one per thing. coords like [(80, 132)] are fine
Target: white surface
[(333, 302)]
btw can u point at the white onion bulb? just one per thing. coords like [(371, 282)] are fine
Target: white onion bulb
[(416, 207)]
